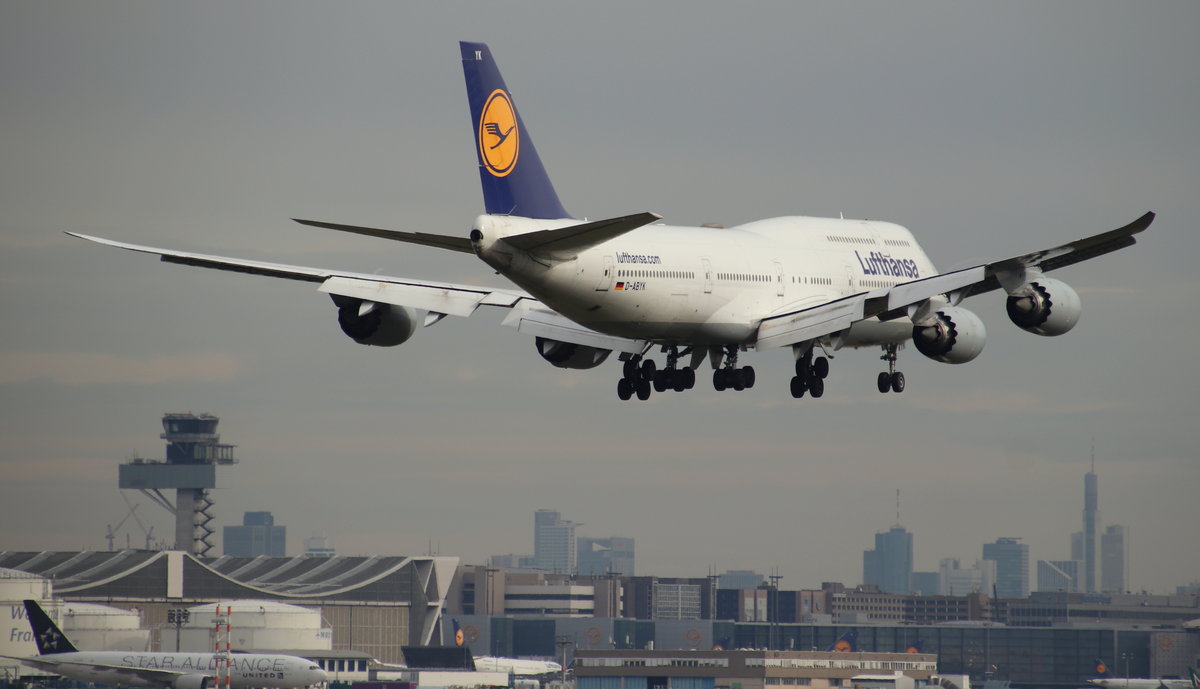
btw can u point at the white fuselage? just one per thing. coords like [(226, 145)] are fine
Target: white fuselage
[(516, 666), (712, 286), (246, 669), (1140, 683)]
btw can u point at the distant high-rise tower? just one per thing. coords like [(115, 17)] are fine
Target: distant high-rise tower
[(554, 547), (257, 536), (1012, 566), (1113, 575), (190, 468), (889, 566), (1091, 529)]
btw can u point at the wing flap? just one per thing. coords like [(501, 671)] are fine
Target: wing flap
[(531, 318), (450, 299)]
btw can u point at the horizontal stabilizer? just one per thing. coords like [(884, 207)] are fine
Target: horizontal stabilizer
[(439, 241), (566, 242)]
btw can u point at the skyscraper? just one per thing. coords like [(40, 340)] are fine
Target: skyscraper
[(889, 566), (554, 547), (1113, 574), (257, 535), (1012, 566), (1091, 528)]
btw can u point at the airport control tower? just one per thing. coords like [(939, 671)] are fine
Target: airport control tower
[(190, 468)]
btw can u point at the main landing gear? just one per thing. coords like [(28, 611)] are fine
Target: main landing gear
[(730, 376), (890, 379), (640, 376), (810, 375)]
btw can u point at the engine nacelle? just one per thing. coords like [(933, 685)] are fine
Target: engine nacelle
[(955, 336), (569, 354), (1044, 307), (372, 323), (192, 681)]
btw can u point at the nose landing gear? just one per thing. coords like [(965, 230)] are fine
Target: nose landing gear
[(890, 379)]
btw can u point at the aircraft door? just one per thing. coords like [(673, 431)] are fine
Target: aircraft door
[(708, 275), (778, 279), (606, 275)]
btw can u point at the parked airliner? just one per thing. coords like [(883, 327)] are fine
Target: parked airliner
[(518, 667), (58, 655), (1105, 679), (586, 289)]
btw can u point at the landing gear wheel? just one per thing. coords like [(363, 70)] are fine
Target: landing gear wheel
[(689, 378), (737, 379), (643, 390), (679, 381), (798, 387), (630, 370), (719, 380), (748, 376), (897, 382), (820, 367), (624, 389), (816, 387), (885, 381), (660, 380), (648, 369)]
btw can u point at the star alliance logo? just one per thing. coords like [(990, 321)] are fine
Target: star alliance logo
[(50, 639)]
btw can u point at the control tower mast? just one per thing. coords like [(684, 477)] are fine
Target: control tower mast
[(190, 467)]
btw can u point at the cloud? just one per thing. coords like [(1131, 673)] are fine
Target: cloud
[(92, 369)]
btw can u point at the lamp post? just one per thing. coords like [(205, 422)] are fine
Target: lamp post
[(178, 617)]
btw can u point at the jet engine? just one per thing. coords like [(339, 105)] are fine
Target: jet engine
[(372, 323), (1044, 307), (192, 681), (952, 335), (569, 354)]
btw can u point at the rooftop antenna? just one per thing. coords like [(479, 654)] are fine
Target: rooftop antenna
[(897, 506)]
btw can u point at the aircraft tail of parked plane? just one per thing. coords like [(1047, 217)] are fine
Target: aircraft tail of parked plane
[(629, 284), (846, 643), (56, 654), (48, 637)]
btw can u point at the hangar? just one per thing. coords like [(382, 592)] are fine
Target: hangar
[(375, 604)]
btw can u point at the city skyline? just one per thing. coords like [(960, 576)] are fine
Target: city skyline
[(207, 126)]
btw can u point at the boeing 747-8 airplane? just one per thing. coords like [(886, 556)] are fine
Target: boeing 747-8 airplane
[(58, 655), (632, 284)]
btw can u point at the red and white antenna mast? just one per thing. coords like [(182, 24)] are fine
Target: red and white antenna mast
[(222, 652)]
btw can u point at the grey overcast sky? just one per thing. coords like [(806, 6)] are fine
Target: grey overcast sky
[(988, 129)]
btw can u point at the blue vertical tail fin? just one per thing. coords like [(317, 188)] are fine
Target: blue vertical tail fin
[(514, 180), (48, 637), (1101, 669)]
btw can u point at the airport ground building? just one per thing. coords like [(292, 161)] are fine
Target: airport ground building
[(355, 614), (371, 604), (746, 669)]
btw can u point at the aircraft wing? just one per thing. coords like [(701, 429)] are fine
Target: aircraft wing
[(527, 314), (801, 322)]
